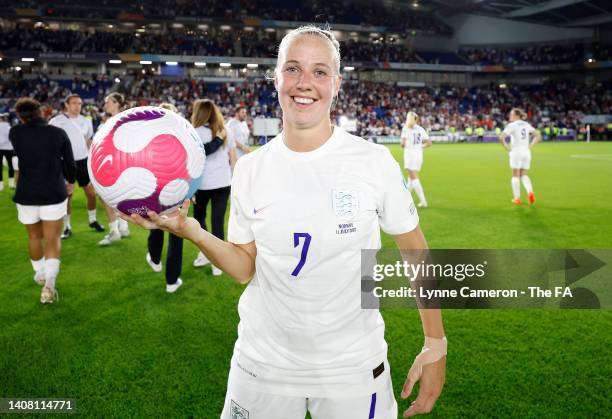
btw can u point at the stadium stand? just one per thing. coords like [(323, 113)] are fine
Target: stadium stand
[(379, 108)]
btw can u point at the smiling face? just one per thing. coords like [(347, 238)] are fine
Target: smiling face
[(307, 80)]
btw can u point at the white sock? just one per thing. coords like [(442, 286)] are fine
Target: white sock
[(38, 265), (123, 225), (67, 221), (410, 184), (92, 215), (418, 188), (51, 270), (113, 226), (516, 187), (527, 183)]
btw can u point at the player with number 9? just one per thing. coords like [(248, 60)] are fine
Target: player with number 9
[(522, 139)]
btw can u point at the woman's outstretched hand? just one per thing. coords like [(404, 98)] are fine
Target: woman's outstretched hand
[(177, 222)]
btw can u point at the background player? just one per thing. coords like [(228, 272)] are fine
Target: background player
[(414, 139), (6, 151), (217, 177), (238, 130), (304, 342), (118, 228), (80, 131), (41, 194), (520, 133)]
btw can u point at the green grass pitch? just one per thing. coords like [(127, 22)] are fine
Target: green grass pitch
[(122, 347)]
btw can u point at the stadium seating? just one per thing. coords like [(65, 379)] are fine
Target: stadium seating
[(378, 108)]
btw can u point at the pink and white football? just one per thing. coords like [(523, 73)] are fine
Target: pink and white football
[(146, 159)]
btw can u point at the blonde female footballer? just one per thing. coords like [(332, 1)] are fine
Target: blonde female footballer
[(302, 209), (414, 139)]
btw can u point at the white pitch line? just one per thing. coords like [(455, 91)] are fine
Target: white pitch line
[(602, 157)]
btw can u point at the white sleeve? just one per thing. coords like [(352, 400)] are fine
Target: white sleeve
[(239, 229), (508, 130), (205, 135), (396, 211), (425, 134)]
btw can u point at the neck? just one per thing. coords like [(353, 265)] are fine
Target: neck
[(304, 140), (72, 115)]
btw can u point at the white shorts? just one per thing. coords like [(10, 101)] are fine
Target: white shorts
[(413, 159), (31, 214), (520, 158), (242, 402)]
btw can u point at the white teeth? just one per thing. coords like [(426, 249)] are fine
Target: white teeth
[(303, 100)]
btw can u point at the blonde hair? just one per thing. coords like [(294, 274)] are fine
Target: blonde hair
[(206, 112), (411, 119), (519, 112), (312, 30), (169, 106)]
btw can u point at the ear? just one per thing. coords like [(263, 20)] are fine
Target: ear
[(275, 78), (337, 84)]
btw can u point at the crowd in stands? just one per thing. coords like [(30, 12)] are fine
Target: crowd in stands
[(379, 108), (43, 40), (261, 44), (538, 55), (223, 43), (356, 12)]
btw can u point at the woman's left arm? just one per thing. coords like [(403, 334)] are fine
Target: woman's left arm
[(429, 366)]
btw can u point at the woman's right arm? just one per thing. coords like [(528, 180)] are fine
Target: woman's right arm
[(237, 260)]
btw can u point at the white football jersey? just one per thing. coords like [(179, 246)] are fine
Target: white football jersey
[(217, 170), (79, 130), (519, 132), (239, 132), (5, 143), (415, 136), (302, 330)]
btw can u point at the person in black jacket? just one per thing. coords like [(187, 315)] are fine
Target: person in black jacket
[(45, 160), (155, 242)]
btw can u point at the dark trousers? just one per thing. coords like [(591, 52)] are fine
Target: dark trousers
[(174, 258), (8, 154), (219, 199)]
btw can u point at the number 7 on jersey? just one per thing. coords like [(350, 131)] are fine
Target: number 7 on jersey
[(296, 242)]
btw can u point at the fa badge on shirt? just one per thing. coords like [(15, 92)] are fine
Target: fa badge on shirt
[(345, 203)]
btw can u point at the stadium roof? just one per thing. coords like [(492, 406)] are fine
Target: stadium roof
[(564, 13)]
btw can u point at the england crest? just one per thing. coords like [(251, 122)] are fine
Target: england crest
[(345, 203), (238, 412)]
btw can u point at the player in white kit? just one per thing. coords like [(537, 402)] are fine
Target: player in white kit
[(114, 103), (302, 209), (6, 151), (413, 140), (522, 138), (238, 130), (80, 132)]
